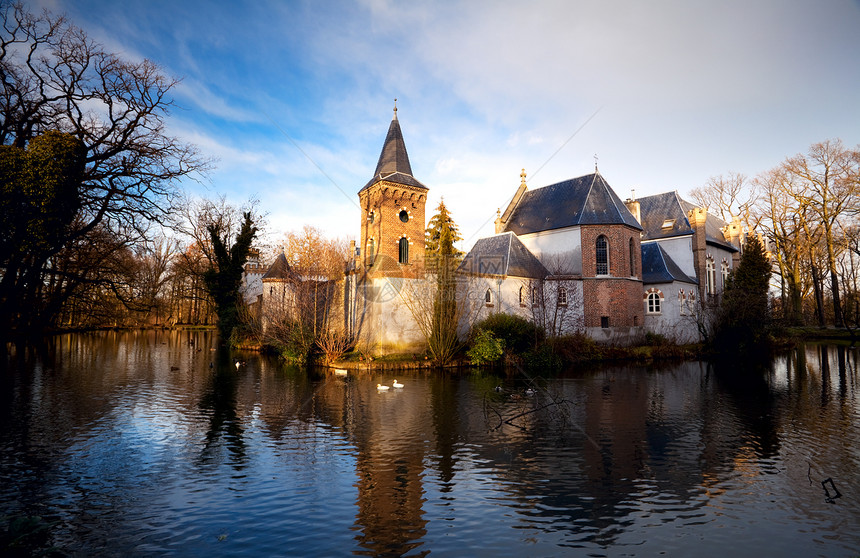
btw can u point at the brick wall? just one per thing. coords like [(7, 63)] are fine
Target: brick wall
[(618, 296), (381, 207)]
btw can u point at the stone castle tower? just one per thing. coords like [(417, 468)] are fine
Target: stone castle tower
[(392, 214)]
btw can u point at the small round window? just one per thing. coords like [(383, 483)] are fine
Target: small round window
[(404, 216)]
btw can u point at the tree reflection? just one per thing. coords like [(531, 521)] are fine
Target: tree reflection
[(219, 404)]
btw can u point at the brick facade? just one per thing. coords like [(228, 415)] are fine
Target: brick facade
[(613, 300), (382, 227)]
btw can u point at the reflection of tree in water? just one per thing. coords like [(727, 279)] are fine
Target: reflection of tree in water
[(745, 385), (219, 403)]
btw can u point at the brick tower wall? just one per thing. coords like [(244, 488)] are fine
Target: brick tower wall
[(385, 201), (619, 295)]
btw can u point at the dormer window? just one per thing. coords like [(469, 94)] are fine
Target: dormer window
[(668, 224)]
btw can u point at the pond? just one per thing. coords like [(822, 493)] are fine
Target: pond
[(155, 443)]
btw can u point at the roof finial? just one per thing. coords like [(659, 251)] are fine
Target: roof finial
[(595, 162), (395, 108), (523, 177)]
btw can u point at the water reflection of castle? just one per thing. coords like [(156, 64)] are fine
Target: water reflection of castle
[(417, 450)]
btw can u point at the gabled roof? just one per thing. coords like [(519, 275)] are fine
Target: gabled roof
[(587, 200), (659, 267), (393, 165), (502, 255), (279, 269), (665, 216)]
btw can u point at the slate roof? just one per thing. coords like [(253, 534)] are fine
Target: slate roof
[(502, 255), (659, 267), (393, 165), (587, 200), (279, 269), (656, 210)]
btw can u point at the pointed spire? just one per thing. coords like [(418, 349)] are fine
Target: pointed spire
[(394, 157), (393, 165)]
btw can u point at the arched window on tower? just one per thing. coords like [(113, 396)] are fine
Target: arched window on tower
[(371, 250), (632, 258), (404, 250), (602, 255)]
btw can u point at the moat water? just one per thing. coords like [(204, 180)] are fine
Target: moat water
[(153, 443)]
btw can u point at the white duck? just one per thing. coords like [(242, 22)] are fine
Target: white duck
[(397, 384), (381, 387)]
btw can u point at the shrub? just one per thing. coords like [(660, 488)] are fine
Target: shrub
[(486, 348), (519, 334)]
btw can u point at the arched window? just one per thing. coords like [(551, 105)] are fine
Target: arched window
[(602, 255), (682, 302), (371, 250), (724, 271), (562, 296), (488, 297), (653, 305), (522, 296), (632, 259), (710, 276), (535, 297), (404, 250)]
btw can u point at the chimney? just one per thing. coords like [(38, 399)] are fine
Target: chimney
[(634, 207)]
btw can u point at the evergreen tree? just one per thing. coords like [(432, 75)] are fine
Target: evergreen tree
[(442, 258), (439, 239), (224, 277), (744, 316)]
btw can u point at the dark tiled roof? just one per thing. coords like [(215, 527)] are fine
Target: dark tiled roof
[(279, 269), (587, 200), (393, 165), (502, 255), (659, 267), (657, 210)]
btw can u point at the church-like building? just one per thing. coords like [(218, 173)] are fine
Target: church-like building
[(572, 256)]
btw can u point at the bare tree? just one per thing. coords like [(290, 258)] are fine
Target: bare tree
[(56, 79), (729, 197), (830, 175)]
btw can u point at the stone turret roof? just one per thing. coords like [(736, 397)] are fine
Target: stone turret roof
[(502, 255), (279, 270), (393, 165), (587, 200)]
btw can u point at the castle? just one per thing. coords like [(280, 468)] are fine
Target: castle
[(572, 256)]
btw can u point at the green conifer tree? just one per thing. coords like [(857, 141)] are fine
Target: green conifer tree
[(744, 316)]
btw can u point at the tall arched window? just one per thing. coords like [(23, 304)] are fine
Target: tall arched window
[(404, 251), (371, 250), (710, 276), (724, 271), (632, 259), (602, 255), (488, 297), (562, 296), (522, 296)]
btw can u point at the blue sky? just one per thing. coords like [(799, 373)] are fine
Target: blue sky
[(293, 99)]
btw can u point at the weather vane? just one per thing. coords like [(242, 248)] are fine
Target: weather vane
[(595, 162)]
